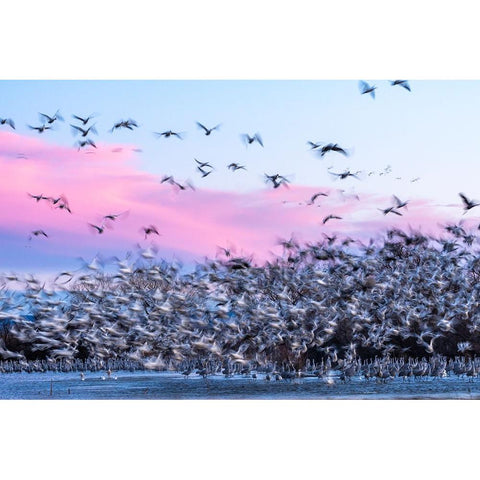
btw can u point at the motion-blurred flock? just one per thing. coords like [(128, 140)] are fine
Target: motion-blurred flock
[(407, 305)]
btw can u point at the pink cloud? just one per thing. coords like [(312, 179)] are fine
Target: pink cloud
[(189, 221)]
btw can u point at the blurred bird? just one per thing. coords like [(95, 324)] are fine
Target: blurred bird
[(39, 197), (203, 172), (468, 204), (128, 124), (51, 119), (330, 217), (40, 129), (235, 166), (84, 120), (277, 180), (151, 229), (315, 196), (208, 131), (84, 143), (37, 233), (248, 140), (7, 121), (98, 229), (168, 134), (345, 175), (366, 88), (203, 164), (399, 203), (332, 147), (84, 132), (313, 145), (113, 216), (401, 83)]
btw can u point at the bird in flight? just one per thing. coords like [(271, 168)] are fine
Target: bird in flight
[(467, 204), (366, 88), (204, 172), (168, 134), (208, 131), (38, 233), (7, 121), (84, 143), (331, 147), (235, 166), (129, 124), (248, 140), (98, 229), (345, 175), (314, 145), (39, 197), (51, 119), (385, 211), (203, 164), (40, 129), (83, 131), (84, 120), (151, 229), (401, 83), (277, 180), (330, 217), (61, 202), (399, 203), (111, 217), (315, 196)]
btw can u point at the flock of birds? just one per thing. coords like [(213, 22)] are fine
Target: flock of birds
[(407, 305), (85, 129)]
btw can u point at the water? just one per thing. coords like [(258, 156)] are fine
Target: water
[(153, 385)]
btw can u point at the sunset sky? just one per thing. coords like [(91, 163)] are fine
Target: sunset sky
[(427, 134)]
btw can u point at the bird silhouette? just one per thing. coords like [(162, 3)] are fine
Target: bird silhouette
[(40, 129), (50, 119), (99, 229), (330, 217), (128, 124), (38, 233), (315, 196), (87, 142), (248, 140), (203, 164), (84, 120), (7, 121), (401, 83), (39, 197), (208, 131), (277, 180), (83, 131), (150, 230), (331, 147), (235, 166), (366, 88), (468, 204), (167, 134), (346, 174)]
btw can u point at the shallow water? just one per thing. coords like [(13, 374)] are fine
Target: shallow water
[(171, 386)]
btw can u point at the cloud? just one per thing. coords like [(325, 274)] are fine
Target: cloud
[(190, 222)]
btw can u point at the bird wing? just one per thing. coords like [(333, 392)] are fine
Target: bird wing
[(202, 126), (45, 116), (364, 86), (465, 200)]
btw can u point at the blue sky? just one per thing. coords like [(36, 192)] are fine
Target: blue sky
[(430, 132)]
